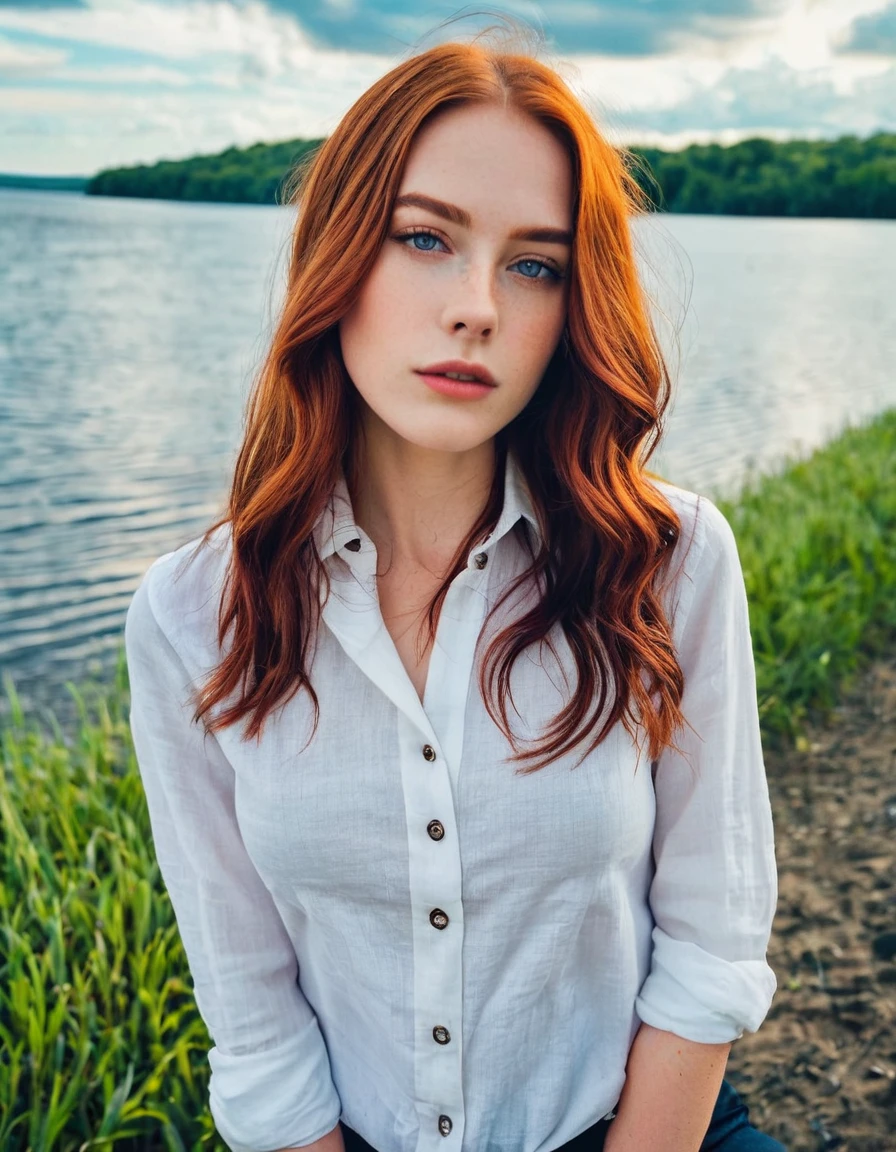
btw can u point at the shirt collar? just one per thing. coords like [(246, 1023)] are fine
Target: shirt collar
[(336, 527)]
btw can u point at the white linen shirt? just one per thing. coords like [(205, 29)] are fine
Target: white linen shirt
[(390, 926)]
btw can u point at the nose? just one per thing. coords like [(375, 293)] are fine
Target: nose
[(472, 305)]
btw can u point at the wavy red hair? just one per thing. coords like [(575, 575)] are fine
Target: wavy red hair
[(583, 440)]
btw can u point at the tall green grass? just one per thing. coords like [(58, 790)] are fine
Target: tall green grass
[(817, 543), (101, 1045)]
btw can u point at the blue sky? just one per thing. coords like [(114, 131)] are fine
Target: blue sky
[(87, 84)]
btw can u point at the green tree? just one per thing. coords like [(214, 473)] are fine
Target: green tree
[(755, 177)]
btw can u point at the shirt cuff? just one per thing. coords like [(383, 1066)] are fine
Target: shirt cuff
[(280, 1098), (702, 997)]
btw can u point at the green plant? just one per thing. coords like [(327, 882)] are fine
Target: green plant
[(817, 543), (102, 1044)]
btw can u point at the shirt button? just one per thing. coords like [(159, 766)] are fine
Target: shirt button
[(480, 559), (441, 1035), (435, 829), (429, 753), (438, 919), (445, 1125)]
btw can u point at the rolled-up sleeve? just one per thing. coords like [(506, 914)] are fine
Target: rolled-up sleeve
[(270, 1085), (714, 890)]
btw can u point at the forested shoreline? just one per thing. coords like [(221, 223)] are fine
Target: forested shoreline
[(847, 177), (253, 175), (43, 183)]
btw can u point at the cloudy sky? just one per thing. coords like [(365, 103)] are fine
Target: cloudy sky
[(86, 84)]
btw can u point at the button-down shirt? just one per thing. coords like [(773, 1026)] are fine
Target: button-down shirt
[(388, 923)]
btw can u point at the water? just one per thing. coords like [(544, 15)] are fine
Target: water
[(130, 332)]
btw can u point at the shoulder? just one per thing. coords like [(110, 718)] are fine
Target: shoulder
[(706, 547), (704, 529), (179, 597)]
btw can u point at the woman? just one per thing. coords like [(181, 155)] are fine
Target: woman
[(448, 730)]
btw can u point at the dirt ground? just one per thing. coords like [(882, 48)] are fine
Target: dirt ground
[(821, 1072)]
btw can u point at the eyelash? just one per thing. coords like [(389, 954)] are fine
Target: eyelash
[(555, 274)]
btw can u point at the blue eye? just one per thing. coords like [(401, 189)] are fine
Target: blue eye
[(414, 236), (537, 264)]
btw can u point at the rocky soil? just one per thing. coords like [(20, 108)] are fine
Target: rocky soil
[(821, 1072)]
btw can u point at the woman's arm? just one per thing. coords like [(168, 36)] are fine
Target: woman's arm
[(714, 887), (713, 892), (332, 1142), (270, 1078), (670, 1088)]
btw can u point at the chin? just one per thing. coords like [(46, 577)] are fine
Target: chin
[(445, 442)]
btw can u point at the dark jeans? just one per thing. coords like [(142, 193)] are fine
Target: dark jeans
[(729, 1130)]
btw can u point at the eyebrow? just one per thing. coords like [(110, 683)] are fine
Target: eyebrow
[(543, 235)]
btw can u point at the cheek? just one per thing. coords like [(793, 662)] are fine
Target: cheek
[(382, 309), (537, 331), (364, 314)]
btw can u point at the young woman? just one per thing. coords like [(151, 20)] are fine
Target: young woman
[(448, 730)]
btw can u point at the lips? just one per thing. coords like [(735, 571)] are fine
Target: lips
[(462, 367)]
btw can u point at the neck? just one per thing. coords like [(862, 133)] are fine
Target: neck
[(417, 504)]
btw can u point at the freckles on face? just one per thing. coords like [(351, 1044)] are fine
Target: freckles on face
[(474, 268)]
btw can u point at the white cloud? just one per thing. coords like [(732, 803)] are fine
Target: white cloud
[(775, 101), (177, 32), (143, 74), (811, 30), (791, 61), (233, 75), (844, 13), (28, 59), (249, 52), (89, 131), (622, 85), (266, 43)]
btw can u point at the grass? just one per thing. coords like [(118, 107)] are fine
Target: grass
[(817, 544), (101, 1045)]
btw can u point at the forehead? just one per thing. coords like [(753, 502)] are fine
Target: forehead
[(497, 163)]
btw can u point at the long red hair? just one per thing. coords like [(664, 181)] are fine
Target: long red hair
[(582, 441)]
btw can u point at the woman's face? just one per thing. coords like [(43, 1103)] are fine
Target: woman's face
[(469, 286)]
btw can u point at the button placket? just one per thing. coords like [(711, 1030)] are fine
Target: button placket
[(438, 927), (435, 885), (435, 889)]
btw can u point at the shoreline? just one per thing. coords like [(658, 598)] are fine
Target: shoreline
[(821, 1071)]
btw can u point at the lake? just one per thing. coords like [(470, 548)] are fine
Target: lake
[(130, 331)]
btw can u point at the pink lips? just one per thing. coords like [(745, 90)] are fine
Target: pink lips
[(433, 377), (464, 367)]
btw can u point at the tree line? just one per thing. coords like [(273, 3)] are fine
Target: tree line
[(253, 175), (757, 177), (43, 183), (847, 177)]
